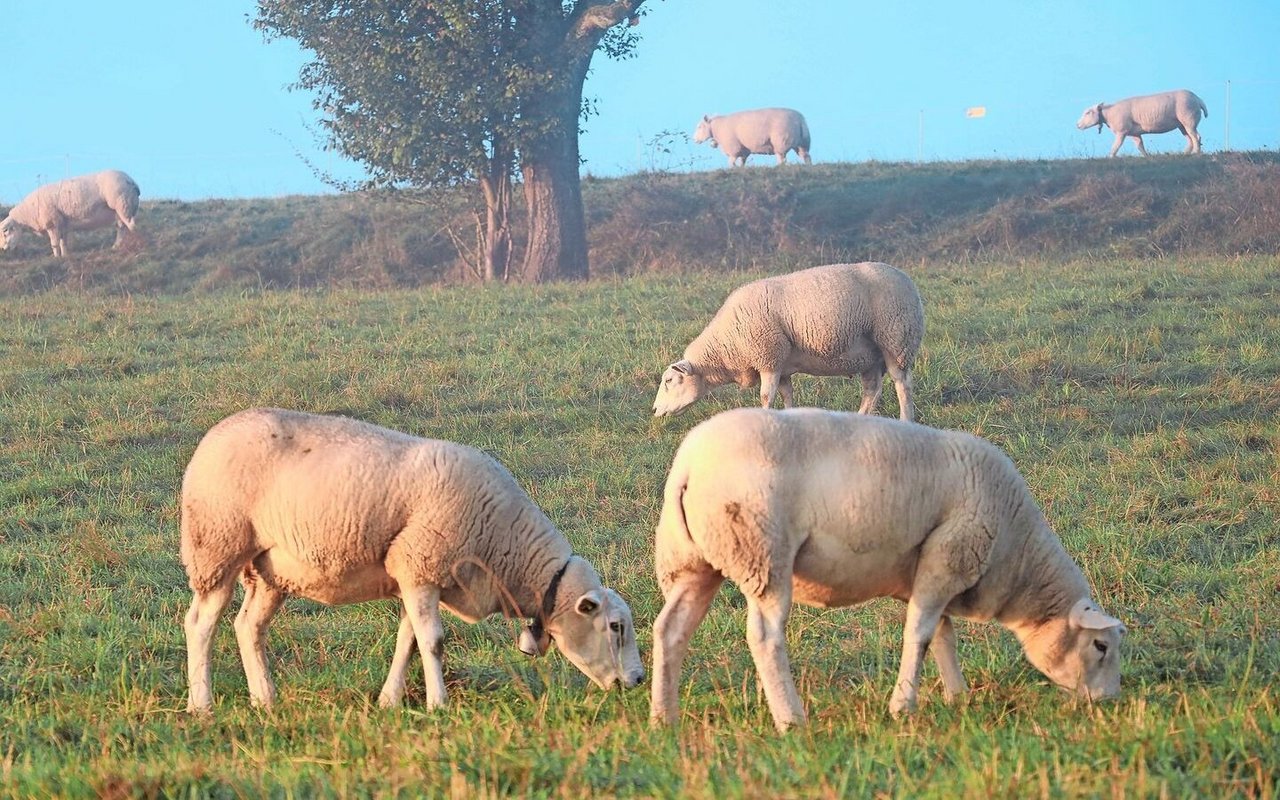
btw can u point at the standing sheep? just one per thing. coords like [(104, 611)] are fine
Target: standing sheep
[(340, 511), (841, 319), (1152, 113), (765, 131), (833, 509), (83, 203)]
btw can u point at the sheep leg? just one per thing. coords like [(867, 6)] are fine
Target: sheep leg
[(393, 689), (206, 608), (872, 385), (944, 655), (686, 606), (261, 602), (787, 391), (767, 638), (422, 605), (1141, 148), (769, 382), (803, 153), (56, 243), (1115, 148), (903, 385), (922, 621)]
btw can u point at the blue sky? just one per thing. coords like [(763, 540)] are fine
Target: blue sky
[(192, 102)]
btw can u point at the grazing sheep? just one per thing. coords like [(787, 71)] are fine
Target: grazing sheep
[(1152, 113), (89, 201), (841, 319), (831, 509), (341, 511), (766, 131)]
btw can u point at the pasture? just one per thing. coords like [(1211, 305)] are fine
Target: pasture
[(1139, 398)]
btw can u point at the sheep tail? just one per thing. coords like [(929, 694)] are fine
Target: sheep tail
[(674, 547)]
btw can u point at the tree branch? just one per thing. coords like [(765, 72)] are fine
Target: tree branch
[(593, 20)]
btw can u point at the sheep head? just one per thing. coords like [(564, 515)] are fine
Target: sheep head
[(8, 233), (598, 636), (1080, 651), (703, 131), (681, 385), (1091, 116)]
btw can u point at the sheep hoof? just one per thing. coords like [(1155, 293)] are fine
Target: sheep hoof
[(901, 707)]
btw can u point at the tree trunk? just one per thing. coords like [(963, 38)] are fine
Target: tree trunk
[(553, 199), (495, 236), (557, 222), (552, 189)]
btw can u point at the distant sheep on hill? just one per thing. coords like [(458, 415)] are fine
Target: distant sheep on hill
[(764, 131), (83, 203), (1151, 113)]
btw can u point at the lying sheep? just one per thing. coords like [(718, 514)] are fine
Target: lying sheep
[(841, 319), (832, 509), (89, 201), (1152, 113), (765, 131), (340, 511)]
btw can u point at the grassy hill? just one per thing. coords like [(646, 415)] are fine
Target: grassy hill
[(757, 218)]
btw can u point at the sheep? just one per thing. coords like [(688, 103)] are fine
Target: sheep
[(840, 319), (89, 201), (767, 131), (342, 511), (831, 509), (1152, 113)]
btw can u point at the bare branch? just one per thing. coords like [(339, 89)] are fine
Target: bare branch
[(594, 20)]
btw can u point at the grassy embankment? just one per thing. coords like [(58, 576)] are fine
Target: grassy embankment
[(758, 218), (1139, 398)]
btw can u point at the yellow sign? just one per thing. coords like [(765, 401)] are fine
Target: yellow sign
[(975, 112)]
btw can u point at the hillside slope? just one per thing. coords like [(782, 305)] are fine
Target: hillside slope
[(762, 217)]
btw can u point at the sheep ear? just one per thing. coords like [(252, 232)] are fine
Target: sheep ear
[(683, 366), (589, 603), (706, 117), (534, 643), (1086, 615)]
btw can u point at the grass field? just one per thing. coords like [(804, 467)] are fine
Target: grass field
[(1139, 398)]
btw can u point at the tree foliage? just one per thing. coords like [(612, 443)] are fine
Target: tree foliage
[(435, 92)]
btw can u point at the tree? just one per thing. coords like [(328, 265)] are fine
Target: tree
[(434, 93)]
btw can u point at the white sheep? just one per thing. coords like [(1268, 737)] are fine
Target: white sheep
[(89, 201), (765, 131), (1151, 113), (831, 509), (841, 319), (341, 511)]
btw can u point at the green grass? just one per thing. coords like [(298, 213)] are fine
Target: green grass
[(1139, 398)]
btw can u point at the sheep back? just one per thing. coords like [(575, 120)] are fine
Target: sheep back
[(87, 201), (340, 504), (843, 504), (763, 131), (831, 320)]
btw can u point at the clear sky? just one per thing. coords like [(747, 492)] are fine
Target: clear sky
[(189, 99)]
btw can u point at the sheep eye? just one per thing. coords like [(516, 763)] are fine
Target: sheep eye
[(616, 627), (1100, 646)]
